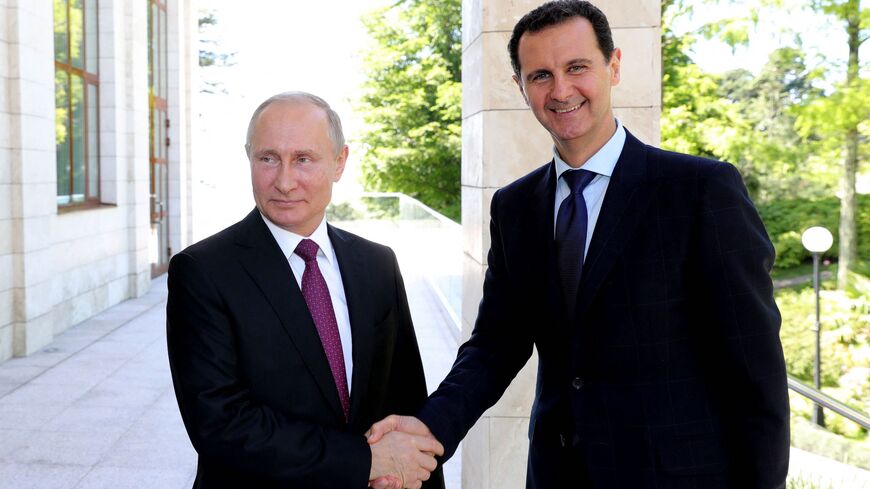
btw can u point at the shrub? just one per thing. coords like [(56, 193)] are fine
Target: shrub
[(785, 220)]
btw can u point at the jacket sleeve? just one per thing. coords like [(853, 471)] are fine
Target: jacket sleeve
[(736, 258), (226, 425), (500, 344)]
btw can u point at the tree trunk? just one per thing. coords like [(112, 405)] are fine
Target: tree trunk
[(848, 203)]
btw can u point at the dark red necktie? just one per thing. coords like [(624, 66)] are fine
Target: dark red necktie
[(316, 295), (571, 224)]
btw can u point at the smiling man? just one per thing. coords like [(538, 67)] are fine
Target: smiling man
[(641, 278), (289, 337)]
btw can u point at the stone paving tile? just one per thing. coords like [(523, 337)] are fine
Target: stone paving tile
[(151, 451), (27, 417), (33, 394), (17, 373), (49, 447), (133, 478), (40, 476), (6, 388), (12, 439), (87, 419), (116, 393)]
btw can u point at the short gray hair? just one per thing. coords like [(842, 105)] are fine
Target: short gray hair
[(336, 135)]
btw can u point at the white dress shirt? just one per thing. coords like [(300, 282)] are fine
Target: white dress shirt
[(328, 264), (603, 162)]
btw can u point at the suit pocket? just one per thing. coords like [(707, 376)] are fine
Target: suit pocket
[(688, 455)]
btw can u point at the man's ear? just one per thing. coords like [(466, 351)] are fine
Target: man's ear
[(520, 86), (340, 162), (615, 60)]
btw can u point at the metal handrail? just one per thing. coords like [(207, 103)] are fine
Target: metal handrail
[(829, 402)]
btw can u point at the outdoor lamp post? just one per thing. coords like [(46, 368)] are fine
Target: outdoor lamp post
[(817, 240)]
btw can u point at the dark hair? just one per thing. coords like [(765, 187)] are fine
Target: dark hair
[(554, 13)]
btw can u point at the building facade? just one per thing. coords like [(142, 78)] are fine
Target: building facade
[(96, 117)]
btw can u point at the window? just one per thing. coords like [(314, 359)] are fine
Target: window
[(76, 99)]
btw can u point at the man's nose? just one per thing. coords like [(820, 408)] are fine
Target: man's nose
[(286, 179), (562, 89)]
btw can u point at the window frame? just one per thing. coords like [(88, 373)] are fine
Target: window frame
[(89, 196)]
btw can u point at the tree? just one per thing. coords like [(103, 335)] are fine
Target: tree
[(412, 102), (210, 55), (842, 118), (738, 117)]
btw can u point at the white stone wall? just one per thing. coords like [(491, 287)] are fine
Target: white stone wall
[(501, 141), (183, 61), (58, 268), (6, 212)]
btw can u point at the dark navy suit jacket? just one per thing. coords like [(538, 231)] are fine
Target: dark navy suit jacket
[(253, 383), (671, 374)]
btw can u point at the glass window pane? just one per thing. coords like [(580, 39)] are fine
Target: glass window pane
[(61, 23), (164, 67), (76, 33), (93, 124), (91, 31), (150, 46), (78, 138), (62, 133), (155, 49)]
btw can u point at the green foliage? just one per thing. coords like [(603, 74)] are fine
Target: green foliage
[(785, 220), (845, 346), (412, 102)]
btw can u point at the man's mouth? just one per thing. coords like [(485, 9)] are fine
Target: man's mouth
[(569, 109)]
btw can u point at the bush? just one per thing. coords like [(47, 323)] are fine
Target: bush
[(787, 219), (845, 346)]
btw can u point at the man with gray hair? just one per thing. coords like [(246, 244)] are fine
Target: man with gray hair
[(289, 337)]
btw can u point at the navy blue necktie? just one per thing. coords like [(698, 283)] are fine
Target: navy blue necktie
[(571, 224)]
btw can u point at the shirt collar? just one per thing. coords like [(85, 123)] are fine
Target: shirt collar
[(288, 241), (601, 162)]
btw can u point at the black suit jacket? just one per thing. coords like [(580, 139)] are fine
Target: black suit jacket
[(252, 380), (671, 375)]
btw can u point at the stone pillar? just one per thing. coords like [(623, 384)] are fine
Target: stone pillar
[(501, 141), (27, 109), (183, 63)]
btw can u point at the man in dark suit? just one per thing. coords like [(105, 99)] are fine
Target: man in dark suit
[(641, 277), (289, 337)]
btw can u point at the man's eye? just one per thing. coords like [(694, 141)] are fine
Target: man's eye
[(303, 159), (540, 76), (576, 68), (268, 159)]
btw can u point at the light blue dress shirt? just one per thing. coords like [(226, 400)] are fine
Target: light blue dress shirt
[(603, 162)]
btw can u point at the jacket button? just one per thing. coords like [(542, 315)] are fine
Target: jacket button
[(577, 383)]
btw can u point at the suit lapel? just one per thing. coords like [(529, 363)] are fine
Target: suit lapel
[(542, 216), (353, 276), (264, 261), (625, 203)]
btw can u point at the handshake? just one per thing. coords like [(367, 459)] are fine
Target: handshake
[(403, 453)]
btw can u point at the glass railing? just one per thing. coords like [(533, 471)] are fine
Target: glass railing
[(427, 243)]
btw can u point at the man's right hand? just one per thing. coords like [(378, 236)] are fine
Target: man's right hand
[(402, 458)]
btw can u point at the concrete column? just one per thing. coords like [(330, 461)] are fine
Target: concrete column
[(31, 192), (501, 141), (7, 284), (137, 165), (183, 63)]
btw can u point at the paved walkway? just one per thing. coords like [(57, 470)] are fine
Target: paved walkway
[(96, 409)]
